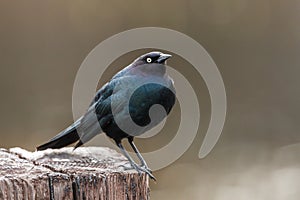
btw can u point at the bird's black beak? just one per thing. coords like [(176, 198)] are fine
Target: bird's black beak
[(163, 57)]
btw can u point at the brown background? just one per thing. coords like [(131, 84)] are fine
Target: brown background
[(255, 44)]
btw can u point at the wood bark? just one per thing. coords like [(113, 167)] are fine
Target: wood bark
[(86, 173)]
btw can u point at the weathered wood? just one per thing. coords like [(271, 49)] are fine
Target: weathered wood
[(86, 173)]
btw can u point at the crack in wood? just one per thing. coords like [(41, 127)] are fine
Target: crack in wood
[(51, 189)]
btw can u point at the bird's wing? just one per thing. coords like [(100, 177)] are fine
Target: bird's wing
[(103, 92), (97, 114)]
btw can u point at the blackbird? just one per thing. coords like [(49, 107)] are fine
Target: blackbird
[(127, 106)]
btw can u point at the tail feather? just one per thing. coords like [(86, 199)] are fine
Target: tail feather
[(63, 139)]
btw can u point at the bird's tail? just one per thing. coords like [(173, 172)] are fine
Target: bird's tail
[(64, 138)]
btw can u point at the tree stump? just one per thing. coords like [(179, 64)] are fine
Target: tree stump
[(86, 173)]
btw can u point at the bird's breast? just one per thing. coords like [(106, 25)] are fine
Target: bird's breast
[(146, 96)]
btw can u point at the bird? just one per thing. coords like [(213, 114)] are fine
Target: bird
[(121, 108)]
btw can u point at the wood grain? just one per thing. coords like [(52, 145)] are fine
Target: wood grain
[(86, 173)]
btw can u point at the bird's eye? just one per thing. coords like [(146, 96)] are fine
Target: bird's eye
[(149, 60)]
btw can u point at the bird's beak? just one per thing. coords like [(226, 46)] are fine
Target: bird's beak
[(163, 57)]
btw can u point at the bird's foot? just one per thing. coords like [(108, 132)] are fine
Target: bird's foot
[(127, 166), (140, 169), (146, 167), (146, 170)]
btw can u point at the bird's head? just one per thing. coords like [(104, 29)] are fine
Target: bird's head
[(152, 62), (153, 57)]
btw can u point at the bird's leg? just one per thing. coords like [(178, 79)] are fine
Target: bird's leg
[(135, 149), (124, 152), (132, 163)]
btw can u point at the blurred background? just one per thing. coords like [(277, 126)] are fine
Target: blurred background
[(255, 44)]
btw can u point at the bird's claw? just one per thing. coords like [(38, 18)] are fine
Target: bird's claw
[(139, 169), (146, 168), (126, 166)]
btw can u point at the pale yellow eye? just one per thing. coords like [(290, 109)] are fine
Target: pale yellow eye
[(149, 60)]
